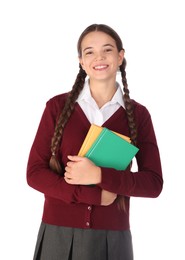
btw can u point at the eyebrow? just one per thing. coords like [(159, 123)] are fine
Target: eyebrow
[(105, 45)]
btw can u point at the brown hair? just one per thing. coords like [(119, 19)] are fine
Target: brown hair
[(78, 86)]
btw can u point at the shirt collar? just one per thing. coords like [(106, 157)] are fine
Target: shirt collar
[(86, 95), (118, 96)]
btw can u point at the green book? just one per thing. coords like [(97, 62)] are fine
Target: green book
[(111, 151)]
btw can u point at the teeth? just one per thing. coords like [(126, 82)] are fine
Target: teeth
[(100, 67)]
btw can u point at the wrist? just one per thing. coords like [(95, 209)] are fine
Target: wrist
[(98, 175)]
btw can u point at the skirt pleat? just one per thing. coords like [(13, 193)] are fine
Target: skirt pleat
[(65, 243)]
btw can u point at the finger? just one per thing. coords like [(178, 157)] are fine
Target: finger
[(70, 163), (67, 175), (68, 180), (75, 158)]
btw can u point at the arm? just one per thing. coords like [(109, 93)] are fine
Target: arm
[(147, 181), (82, 171), (39, 174)]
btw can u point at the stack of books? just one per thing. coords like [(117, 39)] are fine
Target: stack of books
[(107, 148)]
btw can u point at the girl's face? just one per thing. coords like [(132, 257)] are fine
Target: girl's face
[(100, 57)]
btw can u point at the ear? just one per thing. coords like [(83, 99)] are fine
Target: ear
[(121, 56)]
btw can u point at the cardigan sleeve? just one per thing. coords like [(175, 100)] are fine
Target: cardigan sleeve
[(39, 174), (147, 181)]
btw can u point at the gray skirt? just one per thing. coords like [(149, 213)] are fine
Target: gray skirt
[(65, 243)]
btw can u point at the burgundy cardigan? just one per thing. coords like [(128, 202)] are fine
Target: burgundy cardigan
[(79, 205)]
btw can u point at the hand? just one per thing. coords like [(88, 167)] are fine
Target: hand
[(107, 197), (81, 171)]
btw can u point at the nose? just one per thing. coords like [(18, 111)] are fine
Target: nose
[(100, 56)]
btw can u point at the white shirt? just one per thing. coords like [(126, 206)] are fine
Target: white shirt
[(95, 114)]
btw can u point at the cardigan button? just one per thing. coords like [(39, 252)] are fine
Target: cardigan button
[(87, 224), (89, 208)]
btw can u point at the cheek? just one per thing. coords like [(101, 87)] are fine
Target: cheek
[(86, 63), (82, 62)]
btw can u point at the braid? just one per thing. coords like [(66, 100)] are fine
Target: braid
[(128, 105), (63, 118), (121, 200)]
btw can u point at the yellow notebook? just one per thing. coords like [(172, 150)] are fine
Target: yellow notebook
[(92, 135)]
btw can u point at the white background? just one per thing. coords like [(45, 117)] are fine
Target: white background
[(38, 59)]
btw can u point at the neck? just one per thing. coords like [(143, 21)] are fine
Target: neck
[(102, 93)]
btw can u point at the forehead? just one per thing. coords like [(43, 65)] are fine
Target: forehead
[(95, 39)]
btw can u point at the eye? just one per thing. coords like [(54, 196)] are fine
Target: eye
[(88, 53), (108, 50)]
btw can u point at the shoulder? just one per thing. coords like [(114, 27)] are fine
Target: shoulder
[(139, 108), (141, 112), (60, 98), (57, 102)]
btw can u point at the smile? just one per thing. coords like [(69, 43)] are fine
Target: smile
[(101, 67)]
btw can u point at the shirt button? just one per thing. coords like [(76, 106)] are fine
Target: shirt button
[(89, 208), (87, 224)]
